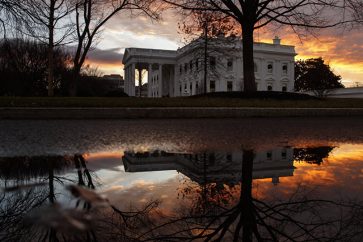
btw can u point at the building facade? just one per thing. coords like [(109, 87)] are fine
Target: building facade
[(215, 167), (182, 72)]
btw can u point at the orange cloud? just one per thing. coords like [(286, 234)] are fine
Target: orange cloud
[(340, 48)]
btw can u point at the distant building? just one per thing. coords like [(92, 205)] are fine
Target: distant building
[(180, 72), (352, 92), (117, 81)]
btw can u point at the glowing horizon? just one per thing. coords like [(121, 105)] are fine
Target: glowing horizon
[(341, 50)]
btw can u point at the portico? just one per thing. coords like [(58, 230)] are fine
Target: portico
[(160, 66)]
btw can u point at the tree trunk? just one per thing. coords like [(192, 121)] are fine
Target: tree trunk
[(248, 60), (50, 71), (205, 57), (73, 84), (51, 195), (51, 50), (51, 65), (248, 218)]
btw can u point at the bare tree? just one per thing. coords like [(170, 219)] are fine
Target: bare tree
[(9, 16), (91, 16), (47, 23), (207, 32), (227, 214), (255, 14)]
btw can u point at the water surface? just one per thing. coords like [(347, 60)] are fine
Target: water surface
[(173, 180)]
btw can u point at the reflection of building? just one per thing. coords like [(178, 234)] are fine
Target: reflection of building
[(180, 72), (214, 167)]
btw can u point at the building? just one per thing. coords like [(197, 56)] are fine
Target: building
[(214, 167), (117, 81), (180, 73)]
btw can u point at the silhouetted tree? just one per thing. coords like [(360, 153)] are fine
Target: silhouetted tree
[(46, 22), (91, 16), (206, 33), (23, 67), (255, 14), (314, 75), (312, 155), (300, 217), (9, 15)]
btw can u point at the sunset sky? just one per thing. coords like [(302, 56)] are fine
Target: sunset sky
[(341, 48)]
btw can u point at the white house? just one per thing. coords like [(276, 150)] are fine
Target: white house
[(181, 72), (215, 167)]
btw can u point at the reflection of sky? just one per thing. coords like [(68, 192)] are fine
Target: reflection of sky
[(109, 168), (339, 175)]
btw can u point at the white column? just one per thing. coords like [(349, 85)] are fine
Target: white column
[(132, 91), (160, 80), (125, 78), (149, 75), (127, 83), (176, 83)]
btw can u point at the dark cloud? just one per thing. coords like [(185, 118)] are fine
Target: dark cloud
[(167, 27), (341, 48), (107, 56)]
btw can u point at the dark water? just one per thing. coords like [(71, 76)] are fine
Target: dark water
[(175, 180)]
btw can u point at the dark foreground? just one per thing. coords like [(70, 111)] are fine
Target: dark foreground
[(291, 179)]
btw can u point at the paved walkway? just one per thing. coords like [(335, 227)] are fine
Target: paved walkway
[(160, 113)]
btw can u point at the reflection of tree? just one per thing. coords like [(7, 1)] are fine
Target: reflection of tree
[(84, 174), (297, 218), (26, 168), (21, 177), (312, 155), (14, 206), (29, 209), (218, 212)]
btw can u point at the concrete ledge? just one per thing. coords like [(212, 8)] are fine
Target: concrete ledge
[(159, 113)]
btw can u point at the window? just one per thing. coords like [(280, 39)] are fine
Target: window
[(191, 65), (212, 62), (270, 68), (191, 88), (185, 67), (230, 65), (229, 157), (196, 88), (197, 63), (211, 159), (284, 88), (180, 69), (283, 154), (269, 87), (269, 155), (229, 86), (284, 69), (255, 67), (212, 86), (180, 89)]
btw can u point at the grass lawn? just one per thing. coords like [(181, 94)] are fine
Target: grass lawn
[(175, 102)]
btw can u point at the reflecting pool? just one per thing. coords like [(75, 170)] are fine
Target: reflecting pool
[(174, 180)]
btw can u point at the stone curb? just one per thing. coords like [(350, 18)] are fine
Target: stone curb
[(165, 113)]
